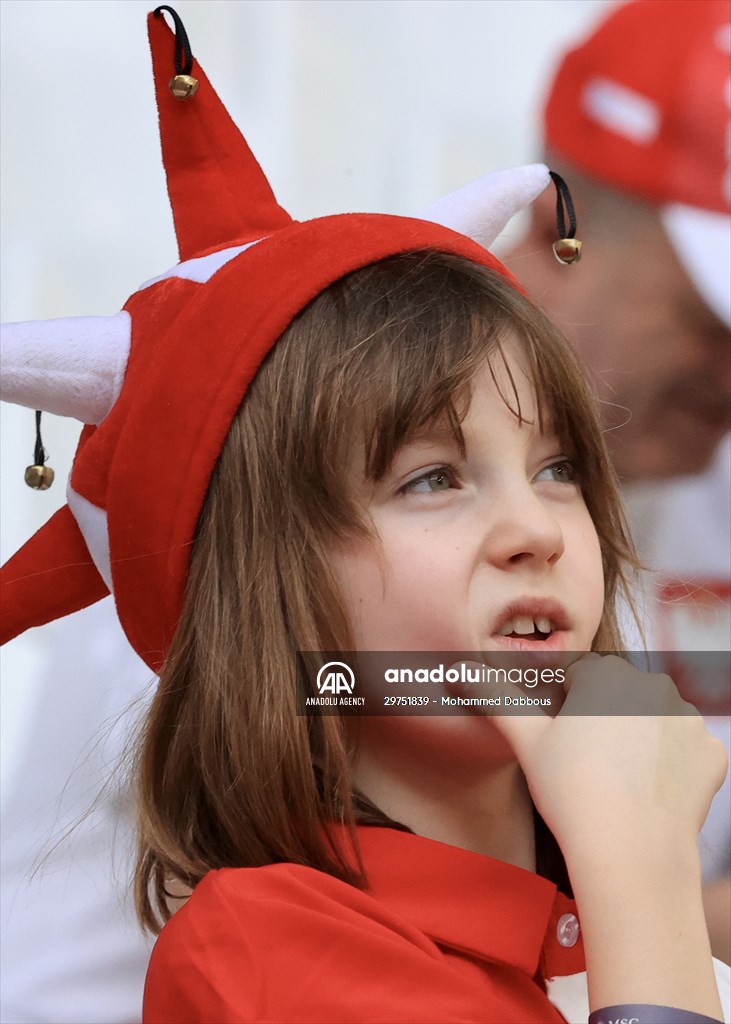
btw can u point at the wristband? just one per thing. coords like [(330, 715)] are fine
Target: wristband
[(648, 1013)]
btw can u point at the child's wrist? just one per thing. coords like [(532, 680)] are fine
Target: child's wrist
[(630, 881), (624, 855)]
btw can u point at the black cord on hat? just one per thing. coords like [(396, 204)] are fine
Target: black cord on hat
[(182, 43), (40, 452), (568, 248), (563, 196), (182, 84), (39, 476)]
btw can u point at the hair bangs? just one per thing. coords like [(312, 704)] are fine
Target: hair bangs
[(416, 340)]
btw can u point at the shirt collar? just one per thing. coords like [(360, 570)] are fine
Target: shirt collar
[(476, 905)]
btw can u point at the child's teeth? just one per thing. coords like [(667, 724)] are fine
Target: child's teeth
[(524, 625)]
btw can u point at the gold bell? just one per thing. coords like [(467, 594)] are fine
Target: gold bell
[(183, 86), (39, 478), (567, 250)]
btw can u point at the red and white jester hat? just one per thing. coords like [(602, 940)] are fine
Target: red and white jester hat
[(163, 378)]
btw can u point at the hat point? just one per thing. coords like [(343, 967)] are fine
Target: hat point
[(218, 192)]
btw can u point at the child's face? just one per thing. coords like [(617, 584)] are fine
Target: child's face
[(471, 548)]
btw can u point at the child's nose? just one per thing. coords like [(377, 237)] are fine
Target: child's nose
[(523, 530)]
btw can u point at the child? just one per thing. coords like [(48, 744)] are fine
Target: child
[(414, 465)]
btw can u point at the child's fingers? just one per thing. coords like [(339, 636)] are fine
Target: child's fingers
[(521, 725), (607, 685)]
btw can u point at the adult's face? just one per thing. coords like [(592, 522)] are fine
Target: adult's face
[(661, 360)]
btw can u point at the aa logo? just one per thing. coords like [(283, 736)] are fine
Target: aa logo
[(335, 677)]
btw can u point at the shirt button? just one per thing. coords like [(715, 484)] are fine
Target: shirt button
[(567, 930)]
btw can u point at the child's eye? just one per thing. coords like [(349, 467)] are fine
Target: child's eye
[(561, 472), (440, 479)]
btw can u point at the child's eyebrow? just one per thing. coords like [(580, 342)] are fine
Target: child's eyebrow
[(431, 435)]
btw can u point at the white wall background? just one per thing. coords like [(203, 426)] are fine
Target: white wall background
[(348, 104)]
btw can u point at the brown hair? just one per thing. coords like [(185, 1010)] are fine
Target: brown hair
[(229, 774)]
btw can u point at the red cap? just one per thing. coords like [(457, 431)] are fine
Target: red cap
[(644, 106)]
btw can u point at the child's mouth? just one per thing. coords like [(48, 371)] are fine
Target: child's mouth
[(531, 624), (527, 628)]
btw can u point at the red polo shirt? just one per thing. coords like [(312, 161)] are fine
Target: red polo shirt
[(441, 935)]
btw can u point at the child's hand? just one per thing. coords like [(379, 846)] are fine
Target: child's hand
[(626, 760), (624, 776)]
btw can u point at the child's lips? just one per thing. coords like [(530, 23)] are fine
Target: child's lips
[(557, 640)]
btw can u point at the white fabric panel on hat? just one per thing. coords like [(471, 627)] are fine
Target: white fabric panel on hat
[(201, 269), (95, 528)]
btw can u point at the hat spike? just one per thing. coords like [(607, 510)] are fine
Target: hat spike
[(67, 581), (218, 192), (71, 367), (482, 209)]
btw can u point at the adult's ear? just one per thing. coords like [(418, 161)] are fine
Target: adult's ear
[(531, 258), (543, 222), (539, 233)]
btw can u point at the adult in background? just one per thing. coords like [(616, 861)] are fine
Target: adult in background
[(638, 121)]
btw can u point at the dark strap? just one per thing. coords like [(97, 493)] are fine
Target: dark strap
[(563, 198), (39, 456), (182, 45), (648, 1013)]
